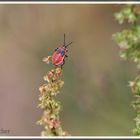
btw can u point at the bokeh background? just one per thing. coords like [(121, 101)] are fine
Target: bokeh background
[(96, 98)]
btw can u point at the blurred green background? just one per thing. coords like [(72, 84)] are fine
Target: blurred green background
[(96, 98)]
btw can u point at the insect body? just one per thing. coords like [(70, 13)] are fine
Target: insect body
[(58, 57)]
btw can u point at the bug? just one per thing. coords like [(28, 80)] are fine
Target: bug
[(59, 55)]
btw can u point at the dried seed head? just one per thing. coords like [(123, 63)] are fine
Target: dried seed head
[(58, 70), (50, 118)]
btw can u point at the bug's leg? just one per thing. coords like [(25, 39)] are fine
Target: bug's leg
[(64, 40), (66, 56), (62, 64)]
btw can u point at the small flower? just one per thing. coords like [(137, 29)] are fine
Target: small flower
[(52, 93), (47, 113), (58, 70), (54, 123), (131, 83), (50, 75), (52, 70), (61, 83), (46, 59), (46, 78), (42, 89), (43, 133), (65, 134)]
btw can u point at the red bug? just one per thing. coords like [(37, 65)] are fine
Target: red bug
[(59, 55)]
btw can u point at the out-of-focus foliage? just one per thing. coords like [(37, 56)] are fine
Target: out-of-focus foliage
[(129, 43), (129, 13)]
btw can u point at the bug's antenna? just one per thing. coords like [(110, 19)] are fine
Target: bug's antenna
[(64, 39), (68, 45)]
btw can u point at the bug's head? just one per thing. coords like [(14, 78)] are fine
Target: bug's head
[(64, 45)]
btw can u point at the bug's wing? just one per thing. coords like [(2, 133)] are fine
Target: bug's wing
[(57, 58)]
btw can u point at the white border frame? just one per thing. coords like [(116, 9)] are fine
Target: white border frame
[(70, 2)]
